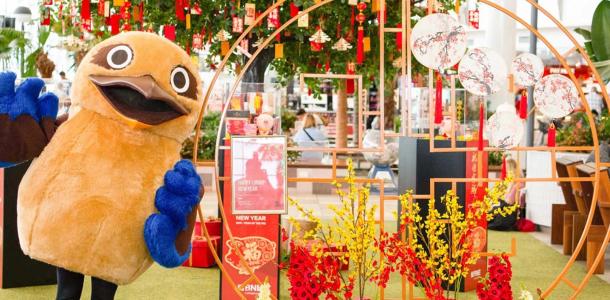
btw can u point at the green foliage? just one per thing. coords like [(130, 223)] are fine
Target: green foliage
[(576, 131), (30, 60), (600, 41), (495, 158), (288, 120), (207, 140), (11, 42)]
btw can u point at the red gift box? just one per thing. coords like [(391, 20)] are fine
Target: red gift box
[(201, 255), (213, 227)]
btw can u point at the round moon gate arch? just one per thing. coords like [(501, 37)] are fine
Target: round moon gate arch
[(406, 70)]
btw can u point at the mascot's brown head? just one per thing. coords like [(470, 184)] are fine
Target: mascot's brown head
[(142, 80)]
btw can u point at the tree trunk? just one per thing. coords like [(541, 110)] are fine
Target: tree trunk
[(256, 71), (341, 120)]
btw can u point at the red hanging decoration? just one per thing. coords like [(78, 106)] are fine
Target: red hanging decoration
[(294, 10), (100, 7), (180, 10), (503, 172), (349, 83), (85, 10), (399, 38), (114, 24), (438, 104), (46, 17), (126, 16), (551, 135), (360, 44), (523, 106), (141, 13), (169, 31), (481, 125)]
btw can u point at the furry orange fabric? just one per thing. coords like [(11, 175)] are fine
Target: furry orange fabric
[(83, 203)]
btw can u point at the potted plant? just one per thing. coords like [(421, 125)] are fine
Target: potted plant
[(597, 40)]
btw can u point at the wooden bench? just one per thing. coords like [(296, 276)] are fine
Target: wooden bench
[(558, 227), (573, 222), (601, 218)]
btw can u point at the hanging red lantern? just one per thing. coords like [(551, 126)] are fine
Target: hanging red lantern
[(294, 10), (180, 10)]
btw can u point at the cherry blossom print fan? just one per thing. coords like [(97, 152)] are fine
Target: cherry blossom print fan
[(555, 96), (438, 41), (505, 128), (482, 71), (527, 69)]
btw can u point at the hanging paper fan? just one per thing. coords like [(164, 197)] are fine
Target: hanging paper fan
[(438, 41), (527, 69), (482, 71), (342, 45), (505, 128), (222, 36), (319, 37), (555, 96)]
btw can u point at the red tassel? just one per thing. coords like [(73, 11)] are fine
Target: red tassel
[(360, 46), (327, 66), (114, 24), (180, 10), (399, 38), (503, 174), (85, 10), (551, 136), (438, 107), (481, 125), (523, 106), (349, 83), (294, 10)]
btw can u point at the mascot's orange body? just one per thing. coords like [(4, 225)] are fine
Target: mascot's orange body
[(83, 203)]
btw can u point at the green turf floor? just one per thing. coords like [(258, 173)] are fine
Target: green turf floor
[(535, 266)]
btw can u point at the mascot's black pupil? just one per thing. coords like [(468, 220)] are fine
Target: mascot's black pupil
[(179, 80), (119, 57)]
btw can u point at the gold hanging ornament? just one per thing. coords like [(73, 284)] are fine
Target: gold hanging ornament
[(319, 37), (342, 45), (222, 36)]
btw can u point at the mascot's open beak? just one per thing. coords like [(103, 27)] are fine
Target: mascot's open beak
[(139, 98)]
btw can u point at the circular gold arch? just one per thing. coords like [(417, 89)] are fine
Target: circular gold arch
[(561, 276)]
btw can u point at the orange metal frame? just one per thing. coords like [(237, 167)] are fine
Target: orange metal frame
[(406, 66)]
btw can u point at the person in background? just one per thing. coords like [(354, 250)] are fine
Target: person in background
[(310, 136), (513, 195), (298, 123), (62, 75)]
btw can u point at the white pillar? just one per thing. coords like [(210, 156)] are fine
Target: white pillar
[(501, 36)]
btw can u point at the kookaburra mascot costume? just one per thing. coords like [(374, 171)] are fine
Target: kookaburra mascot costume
[(108, 194)]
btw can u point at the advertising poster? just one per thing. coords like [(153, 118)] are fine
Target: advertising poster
[(258, 175), (256, 237)]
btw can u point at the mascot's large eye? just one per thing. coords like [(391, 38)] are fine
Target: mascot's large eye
[(119, 57), (180, 80)]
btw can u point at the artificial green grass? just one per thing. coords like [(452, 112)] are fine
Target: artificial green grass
[(535, 266)]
